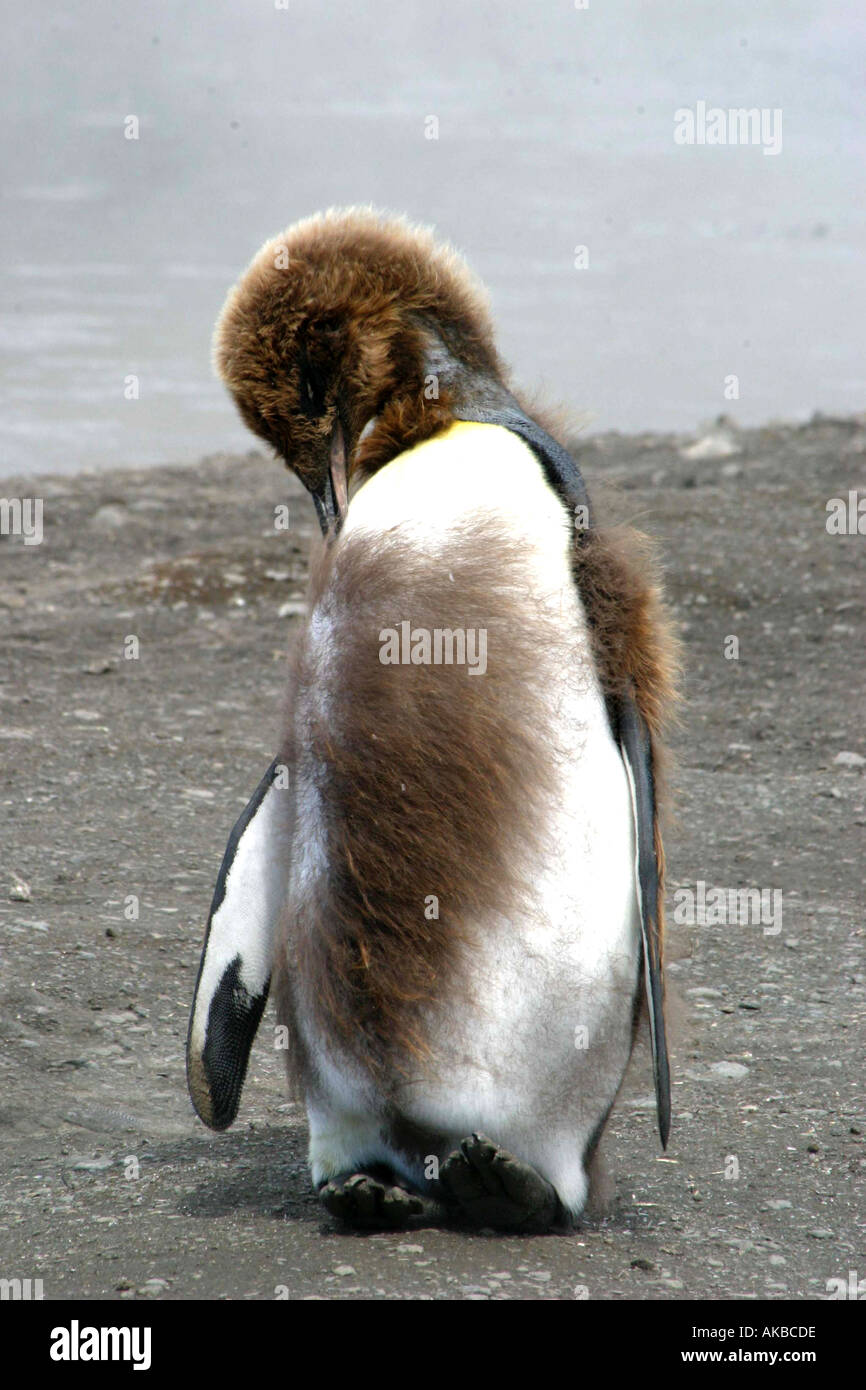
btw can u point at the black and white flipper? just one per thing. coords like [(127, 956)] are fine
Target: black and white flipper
[(637, 753), (235, 971)]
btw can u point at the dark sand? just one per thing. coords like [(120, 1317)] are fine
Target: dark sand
[(122, 777)]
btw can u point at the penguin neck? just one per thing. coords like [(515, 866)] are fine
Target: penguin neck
[(448, 381), (470, 381)]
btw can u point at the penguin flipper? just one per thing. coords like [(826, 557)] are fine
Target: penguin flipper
[(636, 747), (235, 971)]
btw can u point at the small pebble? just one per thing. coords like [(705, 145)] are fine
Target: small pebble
[(152, 1288), (729, 1071), (711, 446)]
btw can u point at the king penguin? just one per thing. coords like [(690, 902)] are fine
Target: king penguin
[(451, 874)]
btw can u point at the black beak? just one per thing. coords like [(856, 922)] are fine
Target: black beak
[(332, 498)]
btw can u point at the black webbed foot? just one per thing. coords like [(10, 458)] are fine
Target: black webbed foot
[(493, 1188), (370, 1201)]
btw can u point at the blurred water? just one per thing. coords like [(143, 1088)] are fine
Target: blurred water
[(555, 129)]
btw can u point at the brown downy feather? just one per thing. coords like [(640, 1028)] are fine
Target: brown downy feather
[(432, 782), (616, 574), (634, 644)]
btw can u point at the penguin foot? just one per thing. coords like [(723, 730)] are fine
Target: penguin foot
[(365, 1201), (493, 1188)]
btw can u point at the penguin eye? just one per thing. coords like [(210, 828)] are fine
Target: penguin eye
[(326, 328), (308, 400), (312, 384)]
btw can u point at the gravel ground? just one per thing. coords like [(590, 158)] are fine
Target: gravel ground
[(121, 778)]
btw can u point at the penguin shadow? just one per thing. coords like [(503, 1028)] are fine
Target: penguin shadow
[(264, 1172), (261, 1172)]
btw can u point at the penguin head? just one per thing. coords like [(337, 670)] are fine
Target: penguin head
[(345, 315)]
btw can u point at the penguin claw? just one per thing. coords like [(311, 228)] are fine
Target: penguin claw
[(361, 1200), (493, 1188)]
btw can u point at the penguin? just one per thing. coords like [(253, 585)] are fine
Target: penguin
[(451, 875)]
